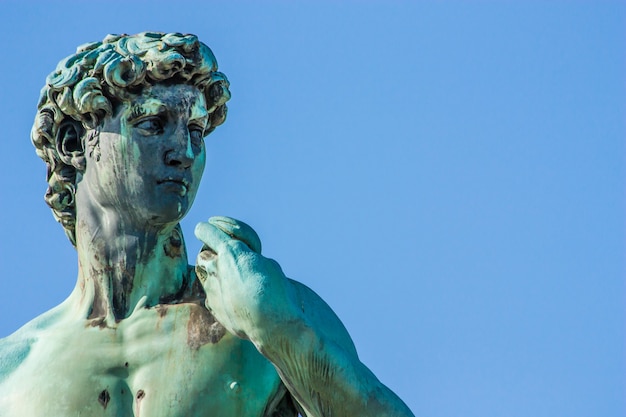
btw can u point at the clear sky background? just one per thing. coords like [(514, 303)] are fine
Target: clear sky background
[(448, 176)]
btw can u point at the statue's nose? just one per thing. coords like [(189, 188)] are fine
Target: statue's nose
[(181, 153)]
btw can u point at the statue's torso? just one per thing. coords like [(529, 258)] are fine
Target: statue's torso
[(168, 361)]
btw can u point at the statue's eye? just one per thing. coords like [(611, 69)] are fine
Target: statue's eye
[(196, 133), (152, 125)]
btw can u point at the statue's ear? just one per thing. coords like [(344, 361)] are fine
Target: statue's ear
[(70, 143)]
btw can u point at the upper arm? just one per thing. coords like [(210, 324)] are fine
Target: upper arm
[(317, 361), (322, 318)]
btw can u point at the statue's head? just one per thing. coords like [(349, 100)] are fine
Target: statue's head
[(90, 87)]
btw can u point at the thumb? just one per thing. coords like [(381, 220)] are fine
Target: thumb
[(238, 230), (212, 236)]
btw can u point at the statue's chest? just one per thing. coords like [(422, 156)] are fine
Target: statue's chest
[(161, 362)]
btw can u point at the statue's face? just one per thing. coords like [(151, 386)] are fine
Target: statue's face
[(150, 156)]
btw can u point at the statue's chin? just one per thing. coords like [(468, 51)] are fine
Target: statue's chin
[(172, 209)]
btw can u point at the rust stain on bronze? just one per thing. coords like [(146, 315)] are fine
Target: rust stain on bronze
[(174, 246), (161, 310), (98, 322), (202, 328)]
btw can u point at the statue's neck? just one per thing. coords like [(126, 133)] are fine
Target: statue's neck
[(122, 268)]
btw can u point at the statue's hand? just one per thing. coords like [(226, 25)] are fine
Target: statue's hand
[(246, 292), (251, 297)]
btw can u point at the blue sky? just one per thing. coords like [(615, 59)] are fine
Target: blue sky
[(448, 176)]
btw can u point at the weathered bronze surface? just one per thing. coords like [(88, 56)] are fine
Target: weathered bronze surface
[(121, 127)]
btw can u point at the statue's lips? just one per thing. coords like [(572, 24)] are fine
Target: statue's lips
[(179, 185)]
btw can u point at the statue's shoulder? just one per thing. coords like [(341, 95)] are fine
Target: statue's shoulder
[(14, 349)]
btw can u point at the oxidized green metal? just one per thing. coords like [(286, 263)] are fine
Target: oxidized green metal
[(120, 125)]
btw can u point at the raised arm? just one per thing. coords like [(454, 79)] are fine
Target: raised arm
[(289, 324)]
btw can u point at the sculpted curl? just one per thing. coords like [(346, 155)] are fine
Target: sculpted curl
[(87, 86)]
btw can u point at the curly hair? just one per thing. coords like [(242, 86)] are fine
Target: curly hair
[(86, 86)]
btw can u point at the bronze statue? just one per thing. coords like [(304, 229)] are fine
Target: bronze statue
[(121, 127)]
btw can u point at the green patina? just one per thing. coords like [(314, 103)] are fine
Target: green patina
[(121, 126)]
